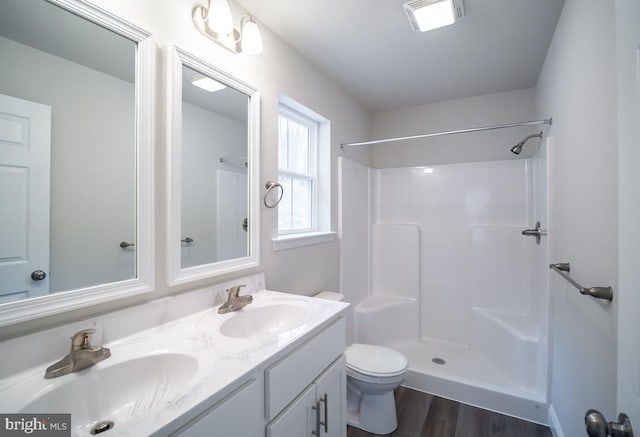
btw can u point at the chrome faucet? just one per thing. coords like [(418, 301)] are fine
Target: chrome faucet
[(234, 301), (81, 356)]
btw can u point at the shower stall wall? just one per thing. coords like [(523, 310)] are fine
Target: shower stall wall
[(452, 283)]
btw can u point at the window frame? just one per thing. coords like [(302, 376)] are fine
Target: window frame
[(313, 175)]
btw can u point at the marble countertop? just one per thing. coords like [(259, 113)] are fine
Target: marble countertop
[(217, 365)]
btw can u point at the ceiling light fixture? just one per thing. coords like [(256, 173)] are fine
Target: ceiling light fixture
[(430, 14), (206, 83), (216, 23)]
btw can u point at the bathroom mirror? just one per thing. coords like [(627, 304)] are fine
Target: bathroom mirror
[(76, 166), (213, 163)]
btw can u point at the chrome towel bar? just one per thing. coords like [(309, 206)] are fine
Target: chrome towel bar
[(563, 270)]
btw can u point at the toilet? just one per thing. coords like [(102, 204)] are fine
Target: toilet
[(373, 373)]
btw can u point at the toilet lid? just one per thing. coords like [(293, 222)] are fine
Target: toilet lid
[(375, 360)]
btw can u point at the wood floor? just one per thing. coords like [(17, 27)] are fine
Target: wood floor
[(424, 415)]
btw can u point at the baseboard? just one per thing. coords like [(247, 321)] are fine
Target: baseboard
[(554, 423)]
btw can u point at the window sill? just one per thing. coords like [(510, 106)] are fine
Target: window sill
[(284, 242)]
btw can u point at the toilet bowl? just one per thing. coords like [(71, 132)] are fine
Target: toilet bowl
[(373, 372)]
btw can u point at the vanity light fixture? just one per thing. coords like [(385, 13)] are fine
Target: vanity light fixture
[(216, 23), (430, 14)]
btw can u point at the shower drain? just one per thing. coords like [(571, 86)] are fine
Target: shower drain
[(438, 360)]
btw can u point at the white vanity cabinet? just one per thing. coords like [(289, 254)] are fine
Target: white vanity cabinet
[(314, 377), (331, 395), (303, 394), (319, 410), (298, 419), (240, 413)]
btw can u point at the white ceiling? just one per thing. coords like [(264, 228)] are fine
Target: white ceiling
[(369, 48)]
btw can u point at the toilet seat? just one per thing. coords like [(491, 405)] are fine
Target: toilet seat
[(375, 361)]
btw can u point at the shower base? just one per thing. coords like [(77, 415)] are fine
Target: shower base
[(468, 377)]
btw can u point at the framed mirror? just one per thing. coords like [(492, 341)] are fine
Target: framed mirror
[(213, 161), (76, 164)]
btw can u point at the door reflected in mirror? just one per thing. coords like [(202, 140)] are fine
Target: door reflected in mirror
[(214, 171), (67, 152)]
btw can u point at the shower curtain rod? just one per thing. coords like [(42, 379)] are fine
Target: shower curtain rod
[(451, 132)]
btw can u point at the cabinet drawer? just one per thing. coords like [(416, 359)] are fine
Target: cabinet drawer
[(293, 373), (238, 414)]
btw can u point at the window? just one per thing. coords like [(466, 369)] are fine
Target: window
[(304, 214), (297, 172)]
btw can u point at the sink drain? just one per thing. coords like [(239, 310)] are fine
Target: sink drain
[(102, 427), (438, 360)]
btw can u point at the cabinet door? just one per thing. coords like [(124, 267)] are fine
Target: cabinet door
[(298, 419), (238, 414), (293, 373), (331, 392)]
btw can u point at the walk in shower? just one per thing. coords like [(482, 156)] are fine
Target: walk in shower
[(436, 265)]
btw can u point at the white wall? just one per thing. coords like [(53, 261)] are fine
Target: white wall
[(278, 70), (92, 163), (577, 87), (488, 110)]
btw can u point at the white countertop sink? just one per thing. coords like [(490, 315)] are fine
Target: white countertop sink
[(140, 376), (117, 393), (158, 379), (264, 320)]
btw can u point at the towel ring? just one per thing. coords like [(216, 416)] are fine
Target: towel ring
[(270, 185)]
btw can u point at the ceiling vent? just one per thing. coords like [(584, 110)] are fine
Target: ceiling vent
[(430, 14)]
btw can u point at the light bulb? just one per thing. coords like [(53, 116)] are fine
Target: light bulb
[(219, 17), (251, 42)]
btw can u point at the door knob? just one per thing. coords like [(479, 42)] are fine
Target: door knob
[(38, 275), (597, 425)]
